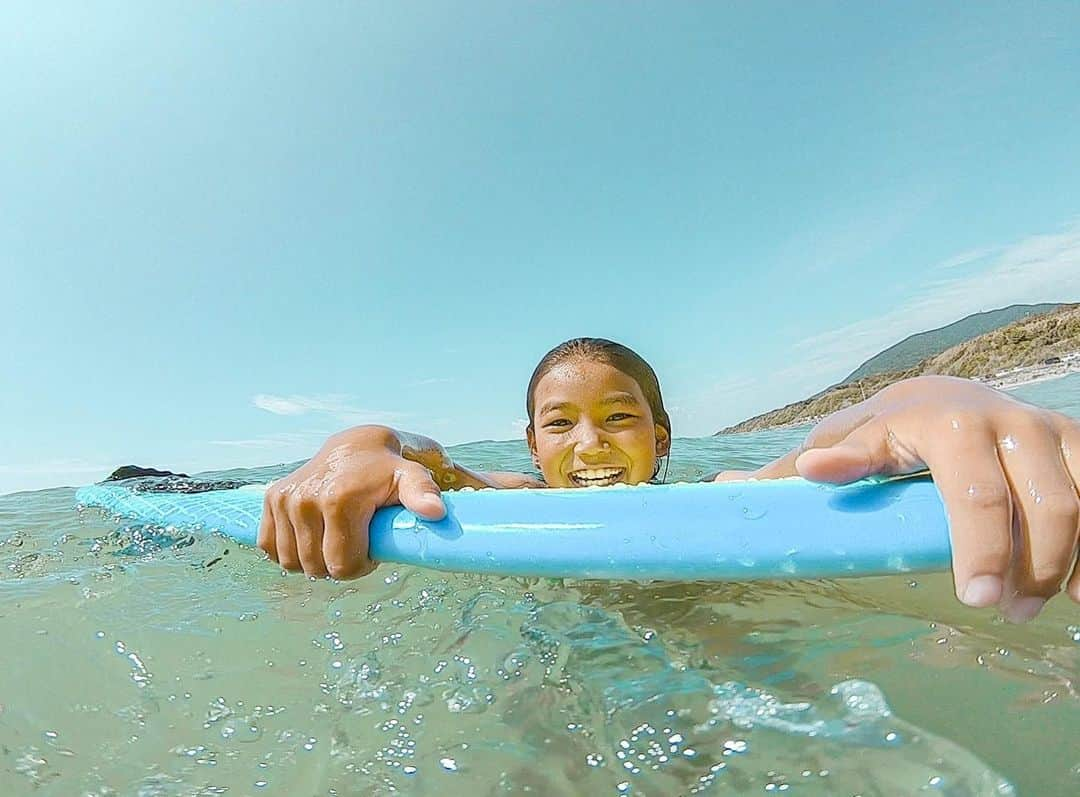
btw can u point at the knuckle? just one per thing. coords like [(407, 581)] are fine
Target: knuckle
[(992, 560), (1047, 577), (963, 420), (334, 503), (1017, 427), (822, 434), (414, 470), (1028, 418), (303, 507), (986, 497), (271, 500), (1059, 509)]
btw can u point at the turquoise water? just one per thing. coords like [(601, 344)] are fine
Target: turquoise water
[(132, 667)]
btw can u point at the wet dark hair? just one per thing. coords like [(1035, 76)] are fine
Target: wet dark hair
[(610, 353)]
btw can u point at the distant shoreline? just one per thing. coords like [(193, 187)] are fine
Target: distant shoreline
[(1010, 380), (1033, 349), (1030, 374)]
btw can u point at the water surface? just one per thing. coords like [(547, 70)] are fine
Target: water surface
[(153, 662)]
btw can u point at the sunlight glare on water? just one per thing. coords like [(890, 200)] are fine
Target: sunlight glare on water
[(152, 661)]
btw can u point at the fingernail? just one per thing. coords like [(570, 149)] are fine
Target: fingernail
[(982, 591), (1025, 609)]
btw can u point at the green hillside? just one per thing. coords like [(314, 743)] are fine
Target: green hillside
[(913, 350), (1050, 341)]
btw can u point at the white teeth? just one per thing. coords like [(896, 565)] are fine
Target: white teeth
[(594, 477), (597, 473)]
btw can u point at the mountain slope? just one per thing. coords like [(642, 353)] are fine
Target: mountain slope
[(914, 349), (1028, 342)]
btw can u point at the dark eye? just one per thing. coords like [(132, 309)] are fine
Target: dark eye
[(619, 416), (558, 423)]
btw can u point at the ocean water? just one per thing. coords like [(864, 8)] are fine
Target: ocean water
[(139, 663)]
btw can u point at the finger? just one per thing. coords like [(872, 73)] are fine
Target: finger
[(978, 504), (779, 468), (837, 425), (267, 539), (1048, 509), (833, 429), (307, 522), (733, 475), (284, 538), (345, 541), (866, 451), (1048, 515), (417, 492), (1070, 458)]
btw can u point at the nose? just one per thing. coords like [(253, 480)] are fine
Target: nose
[(590, 441)]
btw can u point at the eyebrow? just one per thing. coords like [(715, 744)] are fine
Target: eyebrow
[(625, 399)]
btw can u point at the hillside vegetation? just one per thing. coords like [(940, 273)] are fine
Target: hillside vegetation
[(914, 349), (1028, 342)]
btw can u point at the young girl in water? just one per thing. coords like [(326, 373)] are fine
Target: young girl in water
[(1008, 472)]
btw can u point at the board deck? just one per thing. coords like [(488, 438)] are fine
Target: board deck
[(781, 529)]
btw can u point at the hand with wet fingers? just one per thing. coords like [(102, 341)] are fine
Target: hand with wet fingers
[(1008, 473), (316, 519)]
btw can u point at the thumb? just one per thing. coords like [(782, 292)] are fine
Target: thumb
[(417, 492), (864, 452), (732, 475)]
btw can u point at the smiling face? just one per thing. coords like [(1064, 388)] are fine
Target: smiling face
[(593, 427)]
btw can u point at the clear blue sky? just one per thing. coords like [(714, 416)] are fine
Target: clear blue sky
[(227, 229)]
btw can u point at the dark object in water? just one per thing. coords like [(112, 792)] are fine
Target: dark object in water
[(152, 480), (135, 471)]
